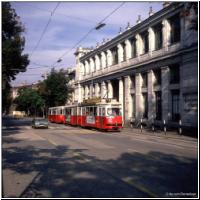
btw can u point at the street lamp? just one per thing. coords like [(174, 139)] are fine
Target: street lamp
[(59, 60), (100, 25)]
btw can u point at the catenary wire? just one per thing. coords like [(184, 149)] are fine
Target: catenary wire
[(83, 38), (58, 13), (45, 28)]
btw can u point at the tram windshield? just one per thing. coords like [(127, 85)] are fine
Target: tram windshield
[(114, 112)]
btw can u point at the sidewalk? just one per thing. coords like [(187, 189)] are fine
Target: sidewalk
[(159, 133)]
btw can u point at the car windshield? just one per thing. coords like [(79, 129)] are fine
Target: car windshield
[(114, 112), (40, 120)]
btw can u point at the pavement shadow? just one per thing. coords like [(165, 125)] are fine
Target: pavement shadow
[(68, 173)]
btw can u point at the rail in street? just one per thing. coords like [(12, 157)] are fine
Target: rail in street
[(66, 161)]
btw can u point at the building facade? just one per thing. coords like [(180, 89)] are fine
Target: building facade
[(150, 68)]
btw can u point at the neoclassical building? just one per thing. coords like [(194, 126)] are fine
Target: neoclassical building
[(150, 68)]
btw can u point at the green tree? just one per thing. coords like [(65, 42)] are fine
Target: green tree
[(13, 61), (30, 101), (54, 89)]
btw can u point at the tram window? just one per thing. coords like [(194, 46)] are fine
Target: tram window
[(103, 111), (83, 111), (113, 111), (67, 112), (91, 112), (78, 111), (74, 111), (95, 111), (87, 110)]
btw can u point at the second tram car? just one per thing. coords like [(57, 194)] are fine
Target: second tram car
[(56, 114)]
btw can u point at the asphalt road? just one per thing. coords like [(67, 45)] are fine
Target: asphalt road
[(65, 161)]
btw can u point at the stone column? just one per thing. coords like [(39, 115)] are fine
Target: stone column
[(166, 33), (120, 53), (139, 48), (82, 71), (103, 60), (151, 96), (92, 67), (127, 103), (86, 92), (103, 90), (121, 95), (109, 58), (91, 90), (128, 49), (151, 40), (96, 90), (138, 96), (79, 96), (87, 67), (97, 62), (82, 92), (110, 90), (166, 113)]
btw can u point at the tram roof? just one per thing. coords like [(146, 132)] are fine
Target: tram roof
[(100, 104)]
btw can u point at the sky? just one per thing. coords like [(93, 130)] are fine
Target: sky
[(68, 23)]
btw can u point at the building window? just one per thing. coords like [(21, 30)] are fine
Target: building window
[(106, 59), (145, 41), (175, 105), (84, 70), (100, 63), (144, 80), (158, 106), (175, 28), (158, 36), (145, 105), (133, 47), (134, 106), (114, 56), (157, 74), (132, 82), (174, 74), (94, 64)]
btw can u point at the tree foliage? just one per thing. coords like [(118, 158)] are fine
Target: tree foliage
[(13, 59), (54, 88), (29, 100)]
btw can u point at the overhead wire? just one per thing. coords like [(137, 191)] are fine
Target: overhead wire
[(45, 28), (83, 38), (59, 13)]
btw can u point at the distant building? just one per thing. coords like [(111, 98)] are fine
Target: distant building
[(15, 89)]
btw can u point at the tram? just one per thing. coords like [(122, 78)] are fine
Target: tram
[(56, 114), (104, 116)]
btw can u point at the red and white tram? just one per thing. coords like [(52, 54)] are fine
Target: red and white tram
[(104, 116), (56, 114)]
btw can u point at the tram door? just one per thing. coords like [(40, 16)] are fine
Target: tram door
[(90, 118), (67, 115), (102, 111)]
